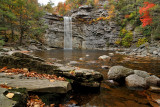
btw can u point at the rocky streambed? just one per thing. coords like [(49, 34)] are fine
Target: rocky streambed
[(42, 83), (127, 80)]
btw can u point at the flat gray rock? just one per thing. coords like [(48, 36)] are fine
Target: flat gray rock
[(38, 85)]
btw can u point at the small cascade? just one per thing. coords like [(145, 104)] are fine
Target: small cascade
[(67, 32)]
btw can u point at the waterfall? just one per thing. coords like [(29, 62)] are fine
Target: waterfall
[(67, 32)]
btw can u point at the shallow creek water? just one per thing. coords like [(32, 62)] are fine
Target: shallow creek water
[(107, 96)]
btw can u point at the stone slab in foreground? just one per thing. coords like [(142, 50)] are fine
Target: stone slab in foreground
[(38, 85)]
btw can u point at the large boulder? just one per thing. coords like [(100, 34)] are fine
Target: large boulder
[(118, 72), (140, 73), (82, 77), (153, 80), (135, 81)]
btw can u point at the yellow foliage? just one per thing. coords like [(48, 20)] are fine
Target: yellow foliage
[(124, 31), (111, 12), (118, 42), (141, 41)]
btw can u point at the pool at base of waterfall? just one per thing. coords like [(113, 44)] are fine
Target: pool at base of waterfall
[(109, 95)]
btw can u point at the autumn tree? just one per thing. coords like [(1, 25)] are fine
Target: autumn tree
[(144, 11), (49, 7), (7, 17), (22, 16)]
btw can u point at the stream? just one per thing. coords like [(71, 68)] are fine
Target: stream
[(107, 96)]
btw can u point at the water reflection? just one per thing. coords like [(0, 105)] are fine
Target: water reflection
[(67, 55)]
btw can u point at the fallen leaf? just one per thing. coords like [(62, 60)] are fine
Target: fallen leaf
[(37, 105), (48, 63), (25, 69), (24, 51), (10, 95), (72, 73), (10, 88), (51, 80), (3, 69), (4, 86), (52, 105)]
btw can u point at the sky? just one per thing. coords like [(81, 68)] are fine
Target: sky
[(46, 1)]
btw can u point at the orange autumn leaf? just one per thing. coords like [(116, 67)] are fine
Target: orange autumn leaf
[(52, 80), (26, 73), (4, 86), (127, 16), (24, 51), (3, 69)]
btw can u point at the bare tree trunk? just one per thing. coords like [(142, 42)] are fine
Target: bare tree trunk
[(21, 30), (21, 37), (12, 32)]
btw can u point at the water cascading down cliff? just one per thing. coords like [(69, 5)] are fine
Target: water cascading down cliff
[(67, 32)]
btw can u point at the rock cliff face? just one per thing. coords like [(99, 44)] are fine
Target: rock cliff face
[(96, 35)]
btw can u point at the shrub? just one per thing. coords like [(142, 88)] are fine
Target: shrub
[(2, 42), (156, 33), (123, 32), (118, 42), (147, 31), (105, 6), (90, 2), (141, 41), (127, 40)]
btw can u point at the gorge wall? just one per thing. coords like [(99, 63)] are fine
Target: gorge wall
[(96, 35)]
